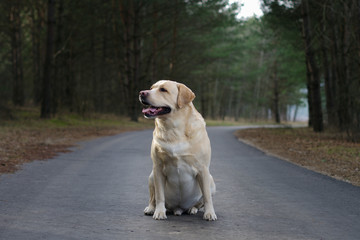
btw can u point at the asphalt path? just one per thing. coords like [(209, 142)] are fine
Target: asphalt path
[(99, 191)]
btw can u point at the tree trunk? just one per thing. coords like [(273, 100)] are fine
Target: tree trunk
[(46, 84), (335, 73), (135, 83), (309, 98), (93, 77), (295, 112), (313, 72), (154, 44), (237, 105), (16, 50), (258, 83), (203, 99), (69, 78), (276, 100), (59, 61), (174, 39), (214, 100), (230, 102), (345, 81), (36, 26), (121, 57), (328, 78), (125, 12)]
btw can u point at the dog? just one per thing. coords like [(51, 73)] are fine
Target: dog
[(180, 180)]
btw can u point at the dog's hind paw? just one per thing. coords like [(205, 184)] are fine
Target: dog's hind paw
[(178, 212), (149, 210), (193, 211)]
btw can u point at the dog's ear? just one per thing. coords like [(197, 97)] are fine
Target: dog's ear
[(185, 95)]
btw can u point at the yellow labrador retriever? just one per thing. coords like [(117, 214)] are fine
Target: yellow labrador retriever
[(180, 179)]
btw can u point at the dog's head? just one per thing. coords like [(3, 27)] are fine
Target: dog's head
[(165, 97)]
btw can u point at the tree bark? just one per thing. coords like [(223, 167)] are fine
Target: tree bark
[(203, 99), (276, 100), (335, 73), (154, 44), (46, 84), (345, 81), (125, 12), (312, 72), (295, 112), (16, 52), (135, 83), (174, 40), (59, 61), (36, 26), (258, 83), (328, 78)]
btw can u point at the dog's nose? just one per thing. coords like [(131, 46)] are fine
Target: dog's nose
[(144, 93)]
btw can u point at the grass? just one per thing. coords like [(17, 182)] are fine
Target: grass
[(27, 138), (240, 122), (29, 118)]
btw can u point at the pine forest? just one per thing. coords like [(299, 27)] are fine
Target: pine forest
[(86, 56)]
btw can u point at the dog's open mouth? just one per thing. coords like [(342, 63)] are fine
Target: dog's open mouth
[(151, 111)]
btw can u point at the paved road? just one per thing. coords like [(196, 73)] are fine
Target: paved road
[(100, 190)]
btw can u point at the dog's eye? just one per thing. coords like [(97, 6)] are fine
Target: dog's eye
[(163, 90)]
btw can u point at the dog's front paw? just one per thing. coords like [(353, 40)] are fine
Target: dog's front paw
[(210, 216), (149, 210), (159, 214)]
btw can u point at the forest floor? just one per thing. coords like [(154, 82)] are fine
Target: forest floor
[(26, 138), (327, 153)]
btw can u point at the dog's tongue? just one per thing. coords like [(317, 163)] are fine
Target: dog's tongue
[(151, 110)]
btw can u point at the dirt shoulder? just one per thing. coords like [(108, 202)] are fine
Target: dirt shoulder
[(23, 141), (326, 153)]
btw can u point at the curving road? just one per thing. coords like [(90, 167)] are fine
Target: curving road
[(99, 191)]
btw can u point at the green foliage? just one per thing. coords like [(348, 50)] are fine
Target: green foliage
[(106, 52), (235, 74), (331, 43)]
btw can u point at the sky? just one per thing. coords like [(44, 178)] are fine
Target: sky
[(248, 8)]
